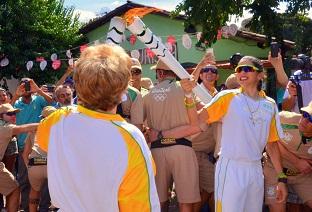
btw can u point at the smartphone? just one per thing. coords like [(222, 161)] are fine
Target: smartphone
[(274, 49), (27, 85)]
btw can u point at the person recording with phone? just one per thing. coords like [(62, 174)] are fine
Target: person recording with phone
[(299, 88), (31, 100)]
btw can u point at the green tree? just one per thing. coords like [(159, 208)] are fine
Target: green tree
[(36, 28), (211, 15)]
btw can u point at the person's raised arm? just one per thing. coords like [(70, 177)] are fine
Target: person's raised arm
[(290, 100), (18, 93), (277, 63), (207, 59), (36, 89)]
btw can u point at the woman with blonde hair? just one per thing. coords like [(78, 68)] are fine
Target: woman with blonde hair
[(96, 160)]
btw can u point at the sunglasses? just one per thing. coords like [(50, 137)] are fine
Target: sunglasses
[(307, 116), (10, 113), (246, 69), (212, 70), (136, 71)]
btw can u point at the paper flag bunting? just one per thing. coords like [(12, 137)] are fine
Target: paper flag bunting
[(56, 64), (68, 54), (83, 47), (132, 39), (4, 62), (135, 53), (171, 39), (233, 29), (53, 56), (219, 35), (198, 35), (150, 53), (29, 65), (43, 64), (225, 31), (186, 41), (71, 62)]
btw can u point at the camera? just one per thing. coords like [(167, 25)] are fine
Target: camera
[(302, 67), (27, 85), (275, 48), (235, 58)]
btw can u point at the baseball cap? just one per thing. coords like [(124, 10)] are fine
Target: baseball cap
[(47, 111), (5, 108), (231, 82), (160, 65), (308, 108), (136, 64)]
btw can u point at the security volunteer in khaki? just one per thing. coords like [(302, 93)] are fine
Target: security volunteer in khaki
[(8, 183), (172, 151), (296, 153)]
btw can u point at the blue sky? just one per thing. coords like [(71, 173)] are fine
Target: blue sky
[(88, 9)]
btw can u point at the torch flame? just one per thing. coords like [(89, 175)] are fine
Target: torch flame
[(140, 12)]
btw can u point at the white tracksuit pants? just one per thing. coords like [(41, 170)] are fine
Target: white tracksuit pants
[(238, 186)]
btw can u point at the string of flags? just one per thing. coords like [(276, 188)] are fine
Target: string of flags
[(225, 32)]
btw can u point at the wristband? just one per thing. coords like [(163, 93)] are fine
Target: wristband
[(282, 178), (189, 105), (281, 175)]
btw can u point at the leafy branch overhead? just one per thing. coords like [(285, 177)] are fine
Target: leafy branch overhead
[(211, 15), (35, 28)]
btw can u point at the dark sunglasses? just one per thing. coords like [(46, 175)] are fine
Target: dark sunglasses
[(246, 68), (212, 70), (136, 71), (306, 115), (10, 113)]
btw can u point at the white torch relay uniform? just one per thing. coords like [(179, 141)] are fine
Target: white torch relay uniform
[(247, 126), (97, 162)]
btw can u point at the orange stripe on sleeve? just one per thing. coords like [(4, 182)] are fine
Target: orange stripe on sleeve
[(43, 130), (219, 107), (273, 134)]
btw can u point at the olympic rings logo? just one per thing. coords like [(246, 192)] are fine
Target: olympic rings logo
[(160, 97)]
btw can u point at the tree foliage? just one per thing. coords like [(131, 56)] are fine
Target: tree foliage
[(211, 15), (36, 28)]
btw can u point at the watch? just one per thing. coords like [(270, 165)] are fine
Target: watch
[(160, 135)]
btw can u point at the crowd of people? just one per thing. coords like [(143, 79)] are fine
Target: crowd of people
[(108, 139)]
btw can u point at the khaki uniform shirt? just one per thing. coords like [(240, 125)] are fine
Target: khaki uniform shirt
[(206, 140), (292, 138), (6, 131), (164, 106)]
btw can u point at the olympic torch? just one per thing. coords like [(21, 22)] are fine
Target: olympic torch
[(145, 35), (116, 30)]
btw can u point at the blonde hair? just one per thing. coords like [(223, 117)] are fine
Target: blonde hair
[(102, 75)]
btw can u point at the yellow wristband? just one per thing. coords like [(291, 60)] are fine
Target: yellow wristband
[(189, 105), (281, 175)]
